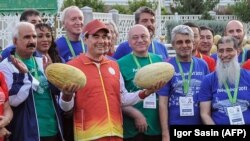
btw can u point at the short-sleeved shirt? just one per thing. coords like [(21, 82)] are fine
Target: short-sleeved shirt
[(210, 91), (174, 90), (128, 69), (64, 50)]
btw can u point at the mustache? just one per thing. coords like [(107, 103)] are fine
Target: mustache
[(150, 28), (31, 45)]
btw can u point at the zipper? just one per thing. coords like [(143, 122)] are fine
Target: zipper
[(105, 94)]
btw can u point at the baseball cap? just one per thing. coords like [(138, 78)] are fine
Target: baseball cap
[(94, 26)]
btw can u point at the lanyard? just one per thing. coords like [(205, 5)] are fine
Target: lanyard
[(186, 83), (34, 63), (233, 98), (243, 56), (137, 62), (71, 48), (153, 47)]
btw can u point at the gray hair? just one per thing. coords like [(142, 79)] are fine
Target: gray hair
[(66, 10), (114, 26), (20, 25), (181, 29), (228, 39)]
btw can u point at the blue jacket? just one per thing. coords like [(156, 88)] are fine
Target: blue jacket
[(24, 125), (7, 51)]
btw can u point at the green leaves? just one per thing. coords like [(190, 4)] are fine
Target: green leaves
[(194, 7), (242, 10), (133, 5), (97, 5)]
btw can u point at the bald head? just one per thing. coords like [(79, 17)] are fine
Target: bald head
[(69, 10), (139, 39), (134, 29), (235, 28), (233, 22)]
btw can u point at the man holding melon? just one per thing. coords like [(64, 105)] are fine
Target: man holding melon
[(141, 121), (97, 106), (178, 99)]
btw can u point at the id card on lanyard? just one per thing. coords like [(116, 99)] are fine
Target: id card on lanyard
[(186, 106), (235, 115), (186, 102), (234, 112), (150, 101)]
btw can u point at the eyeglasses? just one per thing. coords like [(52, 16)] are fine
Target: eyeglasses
[(136, 37)]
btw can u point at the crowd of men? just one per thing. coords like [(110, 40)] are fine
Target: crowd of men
[(206, 89)]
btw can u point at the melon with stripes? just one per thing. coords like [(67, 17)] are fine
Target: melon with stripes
[(151, 74), (60, 74)]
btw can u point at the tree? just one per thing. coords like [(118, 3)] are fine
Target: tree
[(133, 5), (122, 9), (96, 5), (241, 10), (187, 7)]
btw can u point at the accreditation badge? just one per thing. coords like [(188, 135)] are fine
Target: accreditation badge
[(235, 115), (186, 106), (150, 102)]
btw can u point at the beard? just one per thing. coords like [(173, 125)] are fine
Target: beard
[(227, 72)]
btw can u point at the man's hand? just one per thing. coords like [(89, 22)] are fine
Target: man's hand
[(141, 123), (68, 91), (46, 61), (154, 88), (4, 132), (4, 121), (19, 64)]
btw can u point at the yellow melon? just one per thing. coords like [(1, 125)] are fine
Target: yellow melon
[(213, 49), (151, 74), (247, 46), (60, 74), (216, 39), (244, 42), (248, 41)]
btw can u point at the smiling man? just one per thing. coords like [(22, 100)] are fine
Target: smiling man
[(235, 29), (178, 99), (140, 122), (97, 106), (71, 45), (226, 89)]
